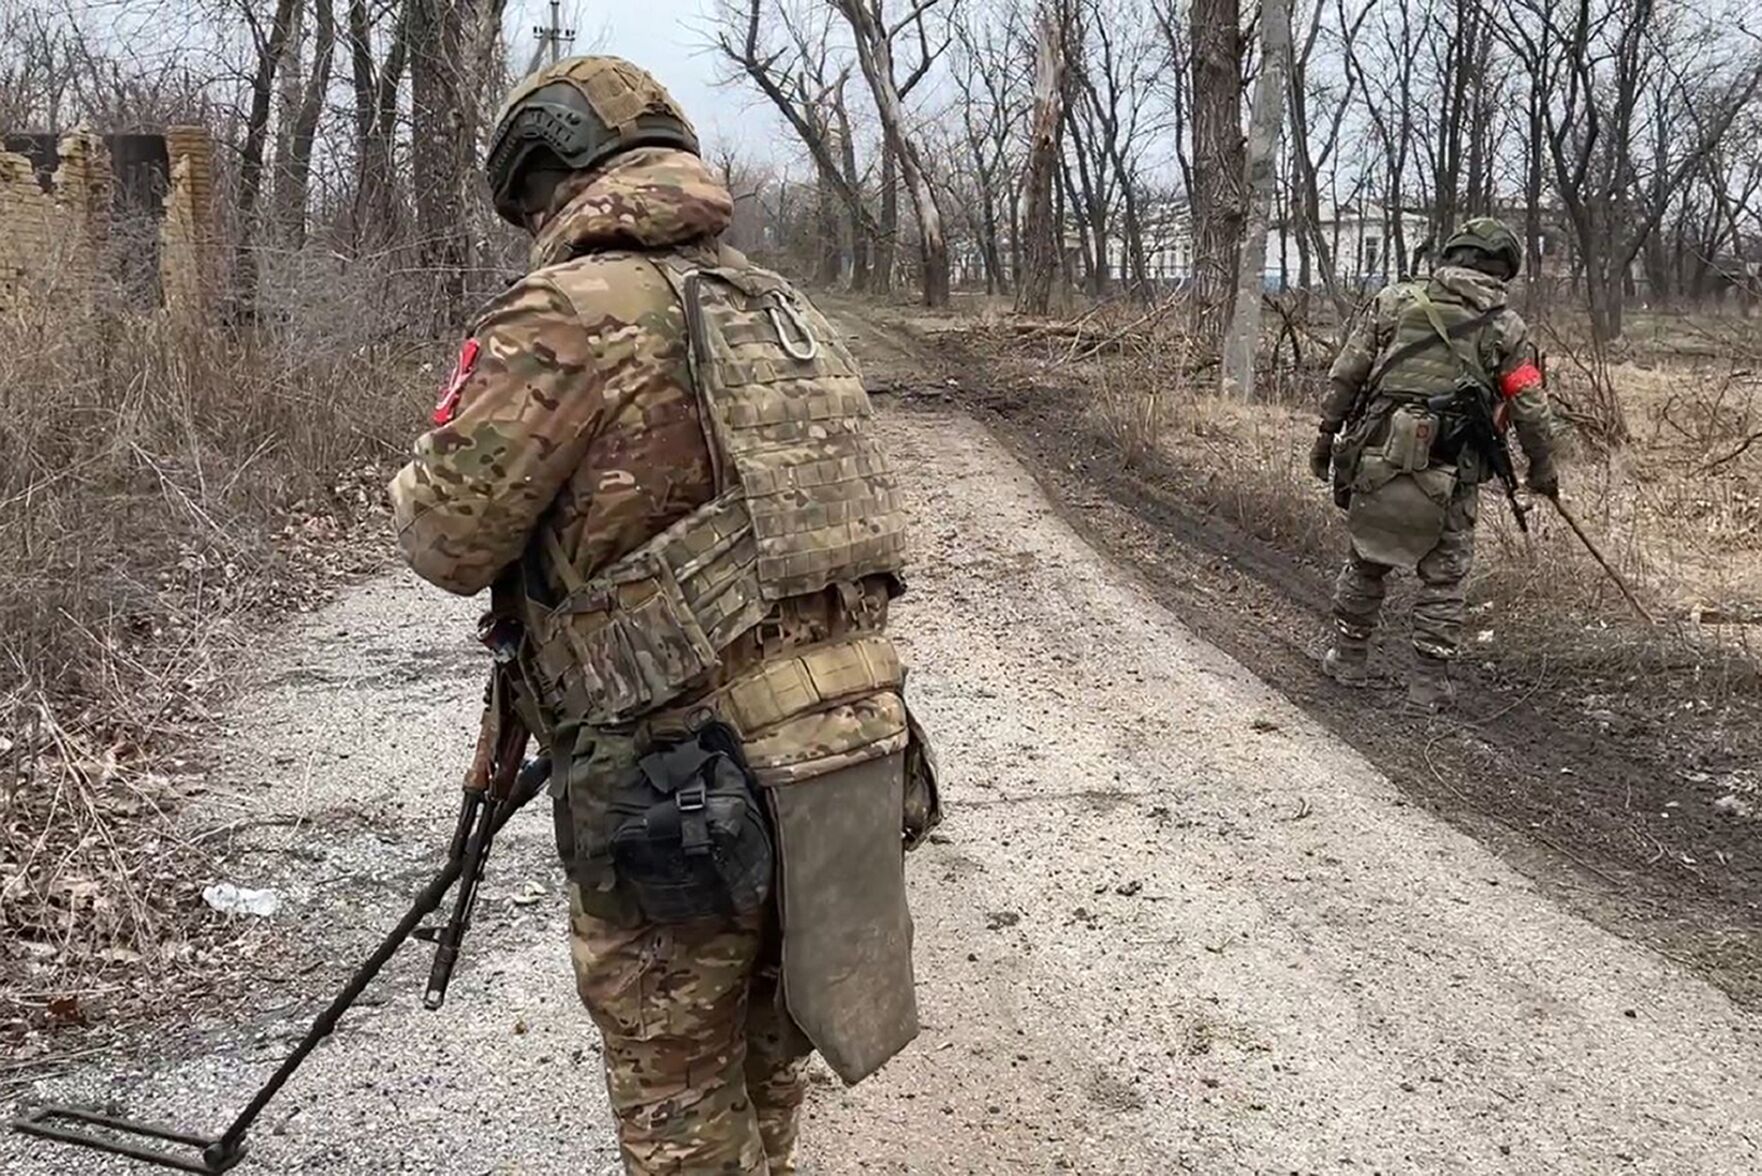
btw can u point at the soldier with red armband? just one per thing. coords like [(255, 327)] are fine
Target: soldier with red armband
[(1396, 435)]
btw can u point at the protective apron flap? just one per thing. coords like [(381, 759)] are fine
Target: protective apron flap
[(1397, 517), (847, 933)]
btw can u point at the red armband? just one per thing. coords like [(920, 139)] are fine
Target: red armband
[(1519, 380), (449, 401)]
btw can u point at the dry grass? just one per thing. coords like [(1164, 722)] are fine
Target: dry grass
[(164, 484), (1675, 509)]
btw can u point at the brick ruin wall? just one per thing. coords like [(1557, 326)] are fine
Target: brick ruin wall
[(53, 243)]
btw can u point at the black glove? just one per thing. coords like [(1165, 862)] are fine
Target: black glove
[(1321, 456), (1545, 481)]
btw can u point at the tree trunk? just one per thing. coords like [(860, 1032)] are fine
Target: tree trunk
[(376, 112), (831, 260), (269, 54), (862, 233), (1605, 285), (1218, 164), (1095, 210), (289, 86), (440, 150), (887, 240), (875, 57), (1533, 178), (296, 170), (1263, 141), (1072, 212)]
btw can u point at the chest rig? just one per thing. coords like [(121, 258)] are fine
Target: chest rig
[(805, 502)]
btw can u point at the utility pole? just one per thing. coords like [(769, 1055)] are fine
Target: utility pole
[(552, 36)]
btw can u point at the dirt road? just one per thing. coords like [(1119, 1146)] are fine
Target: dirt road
[(1172, 924)]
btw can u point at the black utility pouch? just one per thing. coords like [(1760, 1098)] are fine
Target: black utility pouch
[(690, 837)]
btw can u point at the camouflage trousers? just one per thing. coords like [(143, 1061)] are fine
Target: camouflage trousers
[(1442, 572), (703, 1068)]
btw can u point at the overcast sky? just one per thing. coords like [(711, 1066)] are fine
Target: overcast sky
[(665, 37)]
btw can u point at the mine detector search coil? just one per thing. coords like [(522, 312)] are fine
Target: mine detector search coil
[(497, 786)]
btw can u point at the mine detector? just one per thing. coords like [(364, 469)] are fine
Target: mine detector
[(498, 784)]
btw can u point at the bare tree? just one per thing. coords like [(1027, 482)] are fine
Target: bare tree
[(803, 86), (375, 212), (874, 45), (1623, 60), (991, 82), (1389, 82), (1243, 337), (270, 44), (294, 150), (1314, 143), (448, 72), (1109, 123), (1040, 224), (1218, 163)]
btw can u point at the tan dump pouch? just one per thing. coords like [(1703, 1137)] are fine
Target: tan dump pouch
[(1396, 516), (812, 679), (847, 932)]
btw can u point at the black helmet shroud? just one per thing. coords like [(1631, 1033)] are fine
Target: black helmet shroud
[(572, 117)]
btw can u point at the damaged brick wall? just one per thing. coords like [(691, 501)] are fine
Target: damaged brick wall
[(50, 240), (55, 226), (187, 239)]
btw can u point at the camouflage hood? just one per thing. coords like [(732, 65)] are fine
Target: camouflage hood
[(650, 198), (1481, 291)]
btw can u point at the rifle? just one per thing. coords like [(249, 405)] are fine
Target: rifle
[(495, 763), (1471, 402), (497, 786)]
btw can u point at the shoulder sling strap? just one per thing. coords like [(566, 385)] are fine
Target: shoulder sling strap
[(1446, 336)]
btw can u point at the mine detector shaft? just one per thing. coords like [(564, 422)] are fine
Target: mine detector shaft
[(498, 783)]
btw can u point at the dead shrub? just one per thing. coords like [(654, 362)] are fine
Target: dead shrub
[(160, 480)]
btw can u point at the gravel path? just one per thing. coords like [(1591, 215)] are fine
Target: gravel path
[(1169, 926)]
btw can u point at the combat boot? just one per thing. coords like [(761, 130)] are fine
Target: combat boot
[(1430, 687), (1346, 662)]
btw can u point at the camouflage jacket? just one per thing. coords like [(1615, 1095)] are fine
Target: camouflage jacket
[(1359, 371), (580, 416), (572, 411), (575, 413)]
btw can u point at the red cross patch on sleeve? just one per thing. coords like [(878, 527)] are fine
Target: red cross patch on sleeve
[(1520, 380), (448, 405)]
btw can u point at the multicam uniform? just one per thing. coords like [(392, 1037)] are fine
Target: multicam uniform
[(695, 524), (1425, 519)]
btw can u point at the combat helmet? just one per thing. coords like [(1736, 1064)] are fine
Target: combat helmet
[(1492, 239), (573, 115)]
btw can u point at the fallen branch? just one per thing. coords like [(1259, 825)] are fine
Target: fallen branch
[(1734, 454)]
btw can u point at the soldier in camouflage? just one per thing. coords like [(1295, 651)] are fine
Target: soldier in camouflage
[(658, 457), (1413, 495)]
